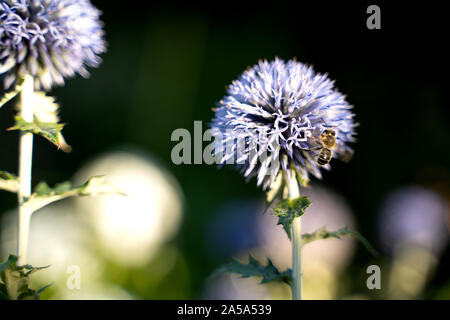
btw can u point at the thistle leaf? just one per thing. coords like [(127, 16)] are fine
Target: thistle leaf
[(45, 195), (8, 182), (269, 273), (289, 209), (14, 281), (322, 233), (46, 121), (49, 130), (46, 110)]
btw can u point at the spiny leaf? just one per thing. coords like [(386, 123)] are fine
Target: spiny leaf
[(11, 261), (14, 281), (10, 95), (46, 110), (269, 272), (42, 289), (289, 209), (8, 182), (322, 233), (49, 130), (44, 195)]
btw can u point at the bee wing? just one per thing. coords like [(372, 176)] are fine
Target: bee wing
[(344, 154)]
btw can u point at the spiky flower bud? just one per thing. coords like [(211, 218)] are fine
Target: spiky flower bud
[(280, 116), (49, 40)]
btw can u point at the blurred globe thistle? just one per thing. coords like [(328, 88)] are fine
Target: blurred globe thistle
[(278, 113), (49, 40)]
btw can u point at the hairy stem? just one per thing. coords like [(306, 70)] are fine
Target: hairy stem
[(25, 165), (293, 193)]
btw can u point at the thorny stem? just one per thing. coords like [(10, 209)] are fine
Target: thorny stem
[(25, 165), (293, 193)]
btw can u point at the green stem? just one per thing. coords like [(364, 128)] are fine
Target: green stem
[(25, 165), (293, 193)]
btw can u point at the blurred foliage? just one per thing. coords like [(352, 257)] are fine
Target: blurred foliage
[(289, 209), (322, 234), (269, 272), (14, 281)]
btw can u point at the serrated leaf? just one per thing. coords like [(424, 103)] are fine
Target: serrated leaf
[(46, 121), (289, 209), (14, 281), (44, 195), (8, 182), (322, 233), (49, 130), (42, 289), (10, 95), (46, 110), (269, 272), (11, 261)]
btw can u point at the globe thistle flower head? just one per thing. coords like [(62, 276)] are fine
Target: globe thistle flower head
[(281, 116), (49, 40)]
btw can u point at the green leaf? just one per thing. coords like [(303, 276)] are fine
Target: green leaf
[(11, 261), (45, 122), (44, 195), (8, 182), (46, 110), (269, 272), (10, 95), (42, 289), (49, 130), (322, 233), (289, 209), (14, 281)]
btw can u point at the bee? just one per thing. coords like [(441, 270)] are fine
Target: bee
[(327, 145), (328, 141)]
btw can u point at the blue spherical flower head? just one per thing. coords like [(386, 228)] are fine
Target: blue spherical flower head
[(49, 40), (282, 117)]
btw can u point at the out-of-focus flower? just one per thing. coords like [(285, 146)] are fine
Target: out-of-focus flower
[(49, 40), (57, 239), (413, 216), (412, 227), (323, 260), (233, 287), (132, 228), (95, 292), (233, 229), (276, 112), (327, 209)]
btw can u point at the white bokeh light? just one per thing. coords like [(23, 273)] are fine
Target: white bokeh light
[(413, 215), (131, 228), (327, 210), (57, 240)]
